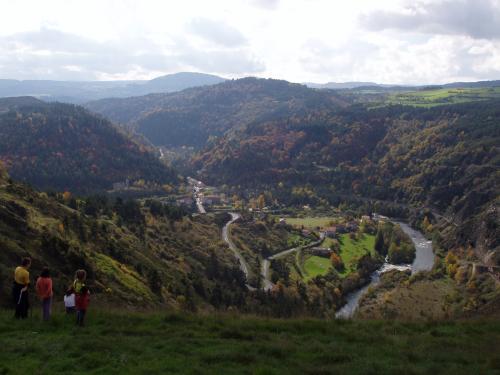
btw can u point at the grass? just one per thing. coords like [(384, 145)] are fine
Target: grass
[(432, 296), (315, 266), (177, 343), (311, 222), (351, 250)]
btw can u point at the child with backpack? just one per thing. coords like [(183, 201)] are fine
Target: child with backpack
[(79, 283)]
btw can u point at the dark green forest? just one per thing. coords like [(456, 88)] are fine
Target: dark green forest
[(64, 147)]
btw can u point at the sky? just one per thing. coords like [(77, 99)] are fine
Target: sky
[(383, 41)]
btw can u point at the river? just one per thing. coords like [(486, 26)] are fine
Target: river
[(424, 261)]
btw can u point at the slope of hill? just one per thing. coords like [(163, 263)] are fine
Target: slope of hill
[(137, 255), (178, 343), (82, 91), (192, 116), (65, 147), (142, 255)]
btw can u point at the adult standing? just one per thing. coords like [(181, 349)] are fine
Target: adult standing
[(20, 289), (45, 293)]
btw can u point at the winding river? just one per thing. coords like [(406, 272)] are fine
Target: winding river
[(424, 260)]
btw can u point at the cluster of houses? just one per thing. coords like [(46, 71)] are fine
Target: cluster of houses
[(201, 198), (124, 185), (208, 200), (185, 201), (351, 226), (335, 230), (324, 252)]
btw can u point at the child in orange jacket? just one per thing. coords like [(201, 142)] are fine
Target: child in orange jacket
[(44, 292)]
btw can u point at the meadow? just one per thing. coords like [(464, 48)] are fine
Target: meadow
[(352, 249), (311, 222), (180, 343), (316, 266), (434, 97)]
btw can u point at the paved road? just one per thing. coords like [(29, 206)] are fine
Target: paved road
[(266, 263), (264, 273), (225, 236)]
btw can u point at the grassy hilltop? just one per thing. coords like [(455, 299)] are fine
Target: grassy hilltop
[(176, 343)]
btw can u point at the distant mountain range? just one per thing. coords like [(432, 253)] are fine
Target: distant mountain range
[(79, 92), (83, 91)]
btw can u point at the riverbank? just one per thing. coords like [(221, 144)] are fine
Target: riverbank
[(424, 261), (179, 343)]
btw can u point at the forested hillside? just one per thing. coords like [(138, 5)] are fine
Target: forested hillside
[(146, 254), (310, 146), (65, 147), (142, 255), (193, 116), (446, 159)]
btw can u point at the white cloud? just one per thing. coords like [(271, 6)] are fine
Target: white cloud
[(266, 4), (479, 19), (217, 32), (298, 40)]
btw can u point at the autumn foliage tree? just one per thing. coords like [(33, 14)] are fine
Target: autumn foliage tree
[(261, 201), (336, 261), (451, 262)]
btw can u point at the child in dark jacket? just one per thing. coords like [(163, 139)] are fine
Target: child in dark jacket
[(82, 301)]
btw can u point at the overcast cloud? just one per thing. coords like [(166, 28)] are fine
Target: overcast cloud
[(479, 19), (217, 32), (386, 41)]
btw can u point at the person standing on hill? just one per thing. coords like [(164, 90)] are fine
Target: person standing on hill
[(79, 283), (82, 302), (20, 289), (69, 301), (45, 293)]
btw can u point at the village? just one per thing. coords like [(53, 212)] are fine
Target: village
[(316, 243)]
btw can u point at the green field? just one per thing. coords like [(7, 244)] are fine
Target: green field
[(310, 222), (178, 343), (352, 250), (315, 266), (435, 97)]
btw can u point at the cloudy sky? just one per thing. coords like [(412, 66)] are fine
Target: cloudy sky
[(385, 41)]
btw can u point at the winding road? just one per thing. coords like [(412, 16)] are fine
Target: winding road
[(225, 236), (266, 263)]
